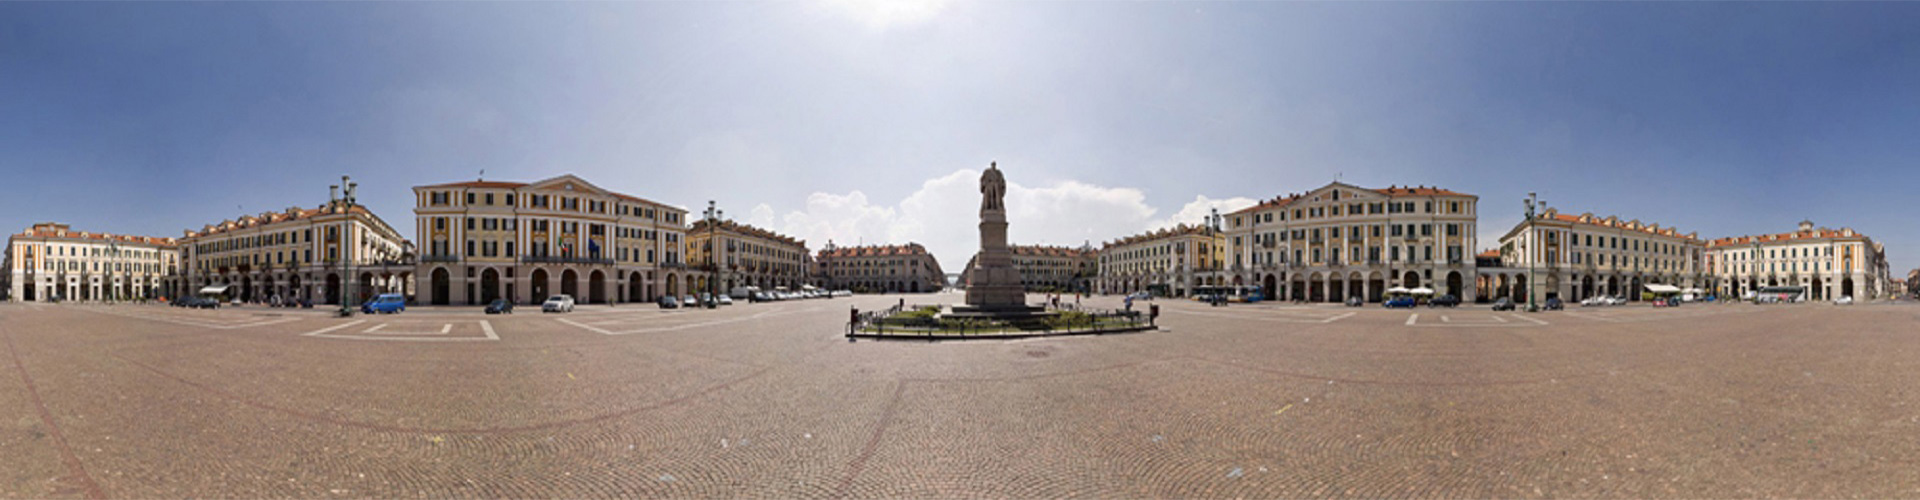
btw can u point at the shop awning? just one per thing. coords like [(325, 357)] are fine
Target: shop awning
[(1663, 288), (214, 290)]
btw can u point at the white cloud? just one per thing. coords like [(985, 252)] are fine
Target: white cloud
[(944, 215), (883, 14), (1197, 211)]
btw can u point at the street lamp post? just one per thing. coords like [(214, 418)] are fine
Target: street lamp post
[(1532, 241), (341, 195), (713, 216)]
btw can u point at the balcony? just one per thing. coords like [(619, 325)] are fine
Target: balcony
[(548, 259), (427, 259)]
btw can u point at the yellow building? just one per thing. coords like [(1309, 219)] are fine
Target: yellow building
[(1169, 262), (51, 261), (744, 256), (298, 253), (483, 240), (1825, 264), (1048, 268), (1573, 257), (905, 268), (1342, 241)]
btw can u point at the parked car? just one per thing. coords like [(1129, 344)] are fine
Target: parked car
[(386, 303), (1554, 304), (204, 303), (1140, 296), (761, 297), (689, 301), (725, 300), (1355, 301), (668, 302), (1844, 300), (557, 303), (1398, 302), (1444, 301), (1504, 304), (500, 306)]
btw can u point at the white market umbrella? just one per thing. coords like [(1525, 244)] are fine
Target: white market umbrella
[(1397, 290), (1421, 291)]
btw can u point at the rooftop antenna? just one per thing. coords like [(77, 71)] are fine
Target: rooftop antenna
[(483, 174)]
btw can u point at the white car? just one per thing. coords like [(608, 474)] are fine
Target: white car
[(557, 303), (1844, 300), (725, 300)]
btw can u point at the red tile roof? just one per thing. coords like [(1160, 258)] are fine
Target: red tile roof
[(700, 227), (1284, 200), (873, 251), (1180, 230), (480, 184), (61, 231), (1821, 233), (269, 218), (1050, 251), (1614, 222), (1417, 191)]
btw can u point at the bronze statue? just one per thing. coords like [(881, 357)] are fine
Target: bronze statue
[(993, 189)]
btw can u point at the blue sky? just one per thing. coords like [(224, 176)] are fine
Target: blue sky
[(864, 121)]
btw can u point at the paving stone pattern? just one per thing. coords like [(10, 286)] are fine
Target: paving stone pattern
[(769, 401)]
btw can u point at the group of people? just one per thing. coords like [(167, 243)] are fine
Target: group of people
[(1053, 300)]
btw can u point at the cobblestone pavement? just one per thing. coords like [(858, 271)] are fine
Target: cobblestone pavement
[(768, 400)]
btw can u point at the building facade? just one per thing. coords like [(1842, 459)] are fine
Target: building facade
[(50, 261), (1573, 257), (1048, 268), (905, 268), (298, 253), (744, 255), (524, 242), (1169, 262), (1827, 263), (1342, 241)]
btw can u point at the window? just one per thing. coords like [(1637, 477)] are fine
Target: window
[(469, 197)]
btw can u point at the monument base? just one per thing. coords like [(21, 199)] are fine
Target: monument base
[(1001, 312)]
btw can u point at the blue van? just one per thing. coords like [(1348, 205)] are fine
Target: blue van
[(385, 303)]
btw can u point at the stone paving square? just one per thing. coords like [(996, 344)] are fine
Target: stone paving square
[(410, 330), (770, 401)]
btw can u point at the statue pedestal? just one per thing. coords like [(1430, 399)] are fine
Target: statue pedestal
[(995, 284)]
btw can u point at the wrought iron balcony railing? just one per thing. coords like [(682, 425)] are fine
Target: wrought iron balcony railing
[(549, 259)]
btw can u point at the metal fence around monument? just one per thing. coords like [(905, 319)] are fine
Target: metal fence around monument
[(885, 324)]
